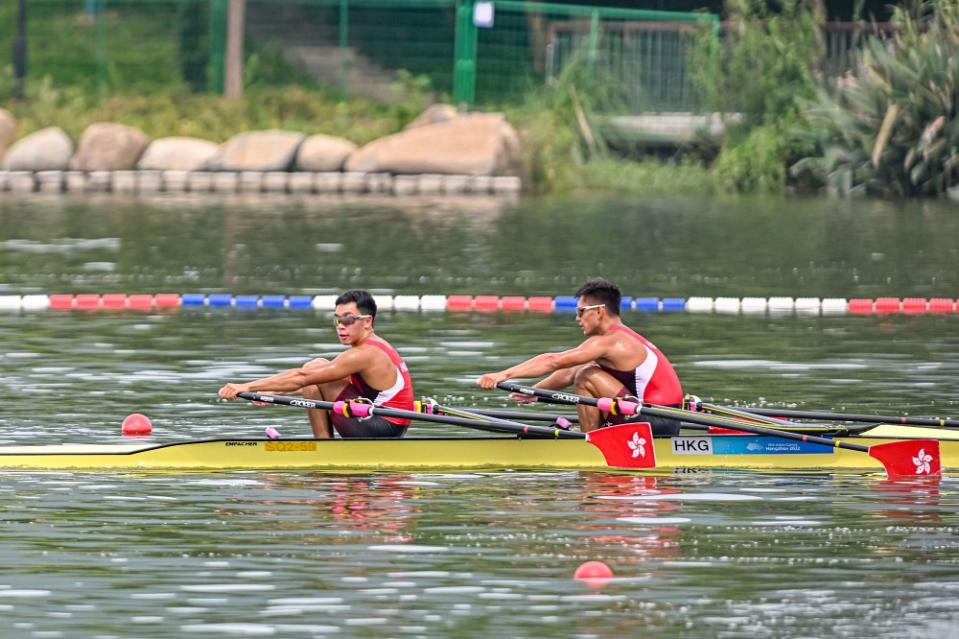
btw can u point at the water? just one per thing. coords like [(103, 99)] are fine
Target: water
[(301, 554)]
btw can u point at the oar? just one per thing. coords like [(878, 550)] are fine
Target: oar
[(364, 409), (908, 458), (696, 405), (430, 406), (632, 450), (563, 421), (855, 417)]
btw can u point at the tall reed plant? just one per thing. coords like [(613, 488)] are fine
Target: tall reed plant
[(891, 127)]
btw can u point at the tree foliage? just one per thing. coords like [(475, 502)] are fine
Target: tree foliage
[(891, 126)]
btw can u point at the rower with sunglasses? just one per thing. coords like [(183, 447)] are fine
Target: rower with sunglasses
[(369, 368), (613, 361)]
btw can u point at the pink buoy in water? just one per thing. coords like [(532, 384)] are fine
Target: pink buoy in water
[(594, 574), (136, 425)]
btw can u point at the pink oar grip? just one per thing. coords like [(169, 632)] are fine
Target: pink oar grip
[(626, 407), (360, 409), (604, 404)]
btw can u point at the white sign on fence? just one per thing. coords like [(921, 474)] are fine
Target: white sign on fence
[(483, 15)]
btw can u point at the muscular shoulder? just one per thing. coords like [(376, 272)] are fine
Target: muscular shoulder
[(623, 340), (368, 352)]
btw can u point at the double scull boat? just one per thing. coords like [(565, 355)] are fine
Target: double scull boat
[(673, 454)]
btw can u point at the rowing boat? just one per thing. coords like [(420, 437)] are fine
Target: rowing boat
[(747, 452)]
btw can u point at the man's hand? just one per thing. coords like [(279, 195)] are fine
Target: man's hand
[(490, 380), (522, 398), (229, 391)]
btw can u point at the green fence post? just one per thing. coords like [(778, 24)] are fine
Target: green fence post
[(101, 46), (593, 50), (344, 44), (464, 54), (218, 15)]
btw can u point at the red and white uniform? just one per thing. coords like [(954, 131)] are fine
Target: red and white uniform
[(399, 395), (654, 381)]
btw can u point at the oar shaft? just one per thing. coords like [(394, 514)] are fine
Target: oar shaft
[(736, 424), (855, 417), (438, 409), (549, 396), (748, 415), (500, 426), (528, 415)]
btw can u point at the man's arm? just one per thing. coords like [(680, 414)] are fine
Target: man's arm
[(346, 363), (589, 351)]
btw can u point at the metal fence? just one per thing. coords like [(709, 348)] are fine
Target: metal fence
[(476, 52), (485, 53)]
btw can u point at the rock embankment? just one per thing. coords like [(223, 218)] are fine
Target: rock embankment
[(442, 151)]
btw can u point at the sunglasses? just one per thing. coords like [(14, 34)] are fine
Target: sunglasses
[(582, 309), (347, 319)]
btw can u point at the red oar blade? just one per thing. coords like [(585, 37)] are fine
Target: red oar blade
[(626, 445), (911, 458)]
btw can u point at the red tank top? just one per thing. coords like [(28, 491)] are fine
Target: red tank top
[(400, 395), (654, 381)]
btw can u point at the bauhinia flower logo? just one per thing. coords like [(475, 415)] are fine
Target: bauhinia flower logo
[(921, 461), (638, 445)]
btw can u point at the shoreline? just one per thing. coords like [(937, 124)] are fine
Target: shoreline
[(234, 182)]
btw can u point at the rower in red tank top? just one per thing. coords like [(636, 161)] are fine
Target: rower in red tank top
[(654, 381), (613, 360), (369, 368), (399, 395)]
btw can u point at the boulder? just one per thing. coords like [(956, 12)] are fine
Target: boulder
[(178, 154), (107, 146), (476, 144), (48, 149), (8, 129), (258, 151), (434, 114), (323, 153)]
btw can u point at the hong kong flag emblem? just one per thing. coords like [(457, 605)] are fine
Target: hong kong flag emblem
[(626, 445)]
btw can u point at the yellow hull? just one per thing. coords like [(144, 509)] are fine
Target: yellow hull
[(429, 454)]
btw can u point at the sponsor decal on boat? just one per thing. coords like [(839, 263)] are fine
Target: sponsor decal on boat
[(289, 447), (743, 445), (692, 445), (239, 443)]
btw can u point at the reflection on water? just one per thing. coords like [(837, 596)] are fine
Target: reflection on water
[(467, 554), (456, 554), (76, 375), (665, 248)]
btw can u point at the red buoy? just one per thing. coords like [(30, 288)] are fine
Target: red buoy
[(594, 574), (136, 425)]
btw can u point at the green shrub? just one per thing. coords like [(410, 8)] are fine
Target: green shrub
[(765, 69), (891, 127), (767, 62)]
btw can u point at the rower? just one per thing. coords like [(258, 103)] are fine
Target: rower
[(613, 361), (370, 369)]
